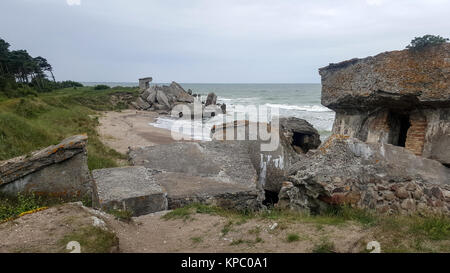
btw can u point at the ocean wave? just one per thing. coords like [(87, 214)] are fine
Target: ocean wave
[(308, 108)]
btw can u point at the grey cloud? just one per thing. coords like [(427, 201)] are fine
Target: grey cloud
[(213, 41)]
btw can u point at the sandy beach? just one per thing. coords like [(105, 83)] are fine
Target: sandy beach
[(130, 128)]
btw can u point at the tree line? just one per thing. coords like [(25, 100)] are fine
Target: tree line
[(22, 74)]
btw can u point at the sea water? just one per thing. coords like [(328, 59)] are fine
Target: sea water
[(291, 100)]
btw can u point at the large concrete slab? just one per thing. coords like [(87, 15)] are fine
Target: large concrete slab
[(129, 188), (227, 162), (221, 173), (183, 189)]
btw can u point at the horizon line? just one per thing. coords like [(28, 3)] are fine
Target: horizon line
[(203, 82)]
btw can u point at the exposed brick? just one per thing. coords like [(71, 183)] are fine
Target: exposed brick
[(415, 138)]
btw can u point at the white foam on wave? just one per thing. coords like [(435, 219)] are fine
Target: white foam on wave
[(309, 108), (194, 129), (319, 116)]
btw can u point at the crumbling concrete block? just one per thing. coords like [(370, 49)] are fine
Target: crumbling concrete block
[(60, 171), (129, 188)]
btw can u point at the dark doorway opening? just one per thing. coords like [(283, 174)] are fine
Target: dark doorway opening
[(404, 126), (298, 143), (271, 198), (399, 125)]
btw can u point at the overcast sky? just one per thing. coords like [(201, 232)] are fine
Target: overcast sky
[(213, 41)]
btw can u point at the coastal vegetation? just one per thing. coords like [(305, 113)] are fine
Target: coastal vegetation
[(12, 207), (22, 75), (427, 40), (33, 122)]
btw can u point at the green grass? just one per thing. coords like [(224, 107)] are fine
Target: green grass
[(435, 228), (197, 240), (324, 246), (248, 242), (255, 231), (122, 215), (92, 240), (293, 237), (414, 233), (227, 228), (179, 213), (31, 123), (335, 216), (11, 207)]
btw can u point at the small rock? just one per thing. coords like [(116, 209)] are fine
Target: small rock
[(417, 194), (223, 107), (410, 187), (97, 222), (437, 193), (401, 193), (409, 204), (389, 196)]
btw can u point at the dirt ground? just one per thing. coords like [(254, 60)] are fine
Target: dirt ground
[(205, 233), (130, 128), (44, 230)]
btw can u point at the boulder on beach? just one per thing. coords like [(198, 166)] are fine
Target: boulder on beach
[(164, 97), (211, 99)]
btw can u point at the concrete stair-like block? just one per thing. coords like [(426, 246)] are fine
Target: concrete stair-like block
[(129, 188)]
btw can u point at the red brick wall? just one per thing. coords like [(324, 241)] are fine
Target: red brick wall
[(415, 138)]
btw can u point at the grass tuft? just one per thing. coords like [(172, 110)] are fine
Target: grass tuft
[(122, 215), (324, 246), (179, 213), (293, 237), (92, 240), (197, 240), (12, 207)]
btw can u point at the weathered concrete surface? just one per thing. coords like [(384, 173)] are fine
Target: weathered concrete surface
[(211, 110), (59, 170), (295, 137), (399, 97), (299, 133), (183, 189), (225, 171), (144, 83), (227, 162), (377, 176), (161, 98), (129, 188), (397, 78)]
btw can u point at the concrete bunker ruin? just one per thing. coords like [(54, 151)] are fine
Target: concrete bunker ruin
[(399, 97), (144, 83)]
